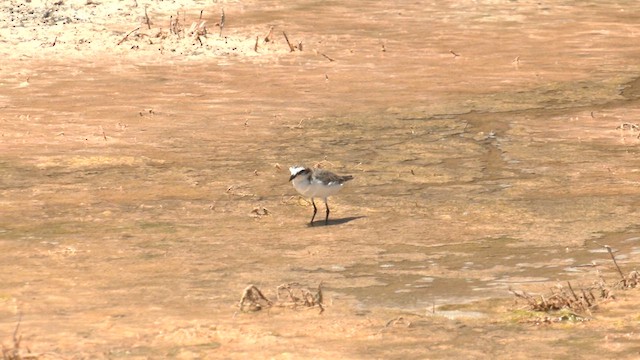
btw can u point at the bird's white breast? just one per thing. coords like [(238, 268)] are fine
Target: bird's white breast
[(315, 188)]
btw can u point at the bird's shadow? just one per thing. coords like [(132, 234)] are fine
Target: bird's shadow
[(319, 223)]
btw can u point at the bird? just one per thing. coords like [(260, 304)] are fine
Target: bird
[(317, 183)]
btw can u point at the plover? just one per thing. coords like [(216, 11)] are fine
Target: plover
[(317, 183)]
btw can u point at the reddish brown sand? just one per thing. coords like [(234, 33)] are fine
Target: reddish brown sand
[(143, 176)]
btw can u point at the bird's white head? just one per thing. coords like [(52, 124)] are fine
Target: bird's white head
[(296, 170)]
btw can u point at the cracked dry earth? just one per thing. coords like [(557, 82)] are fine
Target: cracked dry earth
[(143, 168)]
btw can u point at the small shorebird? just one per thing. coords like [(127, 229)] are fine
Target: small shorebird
[(317, 183)]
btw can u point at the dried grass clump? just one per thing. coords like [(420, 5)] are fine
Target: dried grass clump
[(16, 352), (565, 298), (290, 295), (575, 304)]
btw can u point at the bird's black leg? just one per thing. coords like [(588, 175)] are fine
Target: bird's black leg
[(326, 219), (315, 210)]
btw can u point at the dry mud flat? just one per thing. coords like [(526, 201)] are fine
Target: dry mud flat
[(143, 162)]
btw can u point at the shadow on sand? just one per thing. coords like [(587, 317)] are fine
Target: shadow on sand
[(335, 221)]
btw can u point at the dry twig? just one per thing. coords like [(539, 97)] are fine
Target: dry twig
[(291, 48), (398, 320), (614, 260), (626, 281), (222, 19), (269, 35), (253, 298), (626, 126), (327, 57), (127, 36), (146, 17)]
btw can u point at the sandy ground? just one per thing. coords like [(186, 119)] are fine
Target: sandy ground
[(144, 177)]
